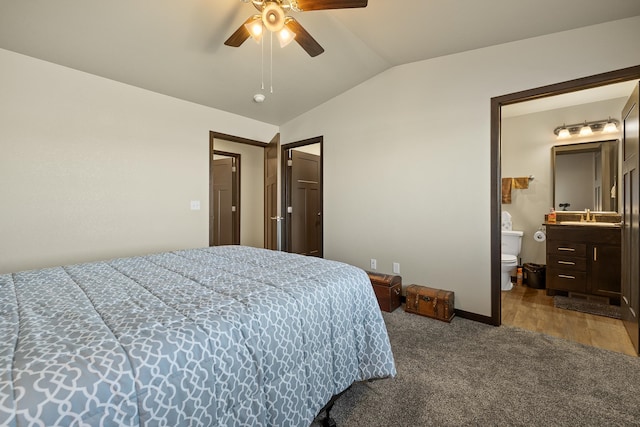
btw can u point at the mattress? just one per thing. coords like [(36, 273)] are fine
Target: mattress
[(220, 336)]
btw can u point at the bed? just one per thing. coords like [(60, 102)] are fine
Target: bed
[(220, 336)]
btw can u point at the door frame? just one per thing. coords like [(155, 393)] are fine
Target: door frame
[(272, 218), (231, 138), (286, 189), (617, 76)]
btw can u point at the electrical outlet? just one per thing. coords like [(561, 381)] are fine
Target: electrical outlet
[(396, 268), (374, 264)]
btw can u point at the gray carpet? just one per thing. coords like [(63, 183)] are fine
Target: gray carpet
[(586, 306), (470, 374)]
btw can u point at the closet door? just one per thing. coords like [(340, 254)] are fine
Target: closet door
[(631, 219), (271, 219)]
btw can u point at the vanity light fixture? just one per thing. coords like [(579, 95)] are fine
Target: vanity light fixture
[(563, 132), (611, 126), (587, 128)]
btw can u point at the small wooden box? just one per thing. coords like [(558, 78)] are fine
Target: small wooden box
[(388, 289), (430, 302)]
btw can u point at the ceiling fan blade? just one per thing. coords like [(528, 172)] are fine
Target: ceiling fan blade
[(304, 39), (305, 5), (240, 35)]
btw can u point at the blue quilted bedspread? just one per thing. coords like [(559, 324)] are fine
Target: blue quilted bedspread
[(222, 336)]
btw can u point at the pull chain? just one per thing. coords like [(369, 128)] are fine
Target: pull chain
[(262, 63), (271, 63)]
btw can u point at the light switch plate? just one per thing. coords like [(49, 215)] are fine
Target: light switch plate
[(195, 205)]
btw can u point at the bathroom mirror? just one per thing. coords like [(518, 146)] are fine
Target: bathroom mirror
[(585, 176)]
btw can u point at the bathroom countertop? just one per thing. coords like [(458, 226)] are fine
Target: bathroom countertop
[(580, 216), (584, 224)]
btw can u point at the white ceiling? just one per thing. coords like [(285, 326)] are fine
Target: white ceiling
[(175, 47)]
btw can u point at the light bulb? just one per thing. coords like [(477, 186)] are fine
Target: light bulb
[(286, 36), (610, 127), (564, 133), (255, 28), (585, 130)]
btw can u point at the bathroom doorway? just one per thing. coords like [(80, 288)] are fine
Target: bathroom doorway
[(537, 319)]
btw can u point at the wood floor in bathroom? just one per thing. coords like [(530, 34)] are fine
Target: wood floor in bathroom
[(533, 310)]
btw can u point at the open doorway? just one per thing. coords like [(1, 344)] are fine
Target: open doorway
[(497, 105), (225, 194), (302, 183), (249, 224)]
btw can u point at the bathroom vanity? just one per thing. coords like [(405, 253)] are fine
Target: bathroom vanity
[(585, 259)]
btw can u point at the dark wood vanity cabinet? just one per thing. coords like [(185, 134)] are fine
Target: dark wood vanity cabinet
[(584, 259)]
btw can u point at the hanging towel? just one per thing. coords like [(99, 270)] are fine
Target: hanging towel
[(506, 190), (521, 182)]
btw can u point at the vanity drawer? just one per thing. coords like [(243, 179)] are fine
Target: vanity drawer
[(568, 263), (566, 280), (572, 249), (584, 259)]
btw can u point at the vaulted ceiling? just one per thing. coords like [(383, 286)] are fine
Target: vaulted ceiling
[(176, 47)]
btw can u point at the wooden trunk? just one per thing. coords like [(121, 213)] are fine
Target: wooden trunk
[(388, 289), (430, 302)]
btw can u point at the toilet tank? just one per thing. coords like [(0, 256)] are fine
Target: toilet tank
[(511, 242)]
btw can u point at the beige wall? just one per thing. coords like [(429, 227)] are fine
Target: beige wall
[(526, 150), (91, 168), (407, 154)]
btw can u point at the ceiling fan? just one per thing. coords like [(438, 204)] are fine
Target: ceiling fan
[(273, 16)]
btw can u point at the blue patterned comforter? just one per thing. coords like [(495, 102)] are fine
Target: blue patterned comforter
[(222, 336)]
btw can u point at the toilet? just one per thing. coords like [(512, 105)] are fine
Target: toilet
[(511, 245)]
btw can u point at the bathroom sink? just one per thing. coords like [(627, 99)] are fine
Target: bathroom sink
[(590, 224)]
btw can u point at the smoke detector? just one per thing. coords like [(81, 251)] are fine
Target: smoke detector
[(258, 98)]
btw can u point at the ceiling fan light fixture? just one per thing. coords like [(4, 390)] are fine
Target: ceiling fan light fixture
[(273, 14), (285, 36), (273, 17), (255, 28)]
